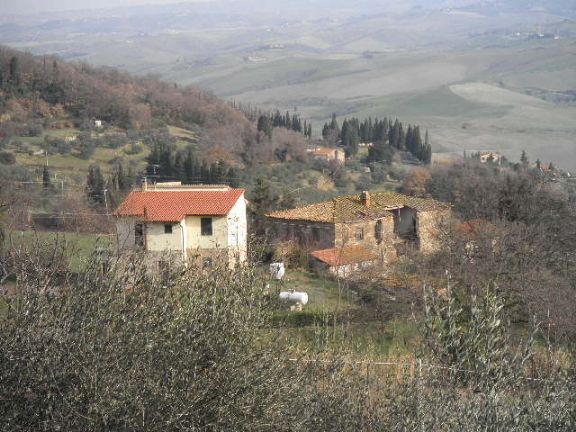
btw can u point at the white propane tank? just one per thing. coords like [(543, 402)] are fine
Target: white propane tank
[(294, 297), (277, 270)]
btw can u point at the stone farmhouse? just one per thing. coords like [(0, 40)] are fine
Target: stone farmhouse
[(171, 222), (490, 156), (328, 154), (351, 232)]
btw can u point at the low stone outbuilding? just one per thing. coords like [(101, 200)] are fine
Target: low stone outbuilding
[(349, 232)]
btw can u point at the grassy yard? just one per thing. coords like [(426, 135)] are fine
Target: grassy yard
[(333, 318), (79, 247), (184, 137)]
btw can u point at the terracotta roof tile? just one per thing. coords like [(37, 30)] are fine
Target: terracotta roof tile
[(323, 151), (345, 255), (173, 206), (350, 208)]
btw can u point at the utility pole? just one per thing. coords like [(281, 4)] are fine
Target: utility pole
[(106, 202)]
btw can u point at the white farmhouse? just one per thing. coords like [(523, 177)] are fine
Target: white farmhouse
[(201, 225)]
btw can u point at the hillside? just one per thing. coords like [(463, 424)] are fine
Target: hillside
[(367, 59), (60, 120), (45, 97)]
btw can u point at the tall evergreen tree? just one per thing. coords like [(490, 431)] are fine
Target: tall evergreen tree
[(14, 69), (121, 179), (46, 183), (265, 125), (262, 198), (95, 185)]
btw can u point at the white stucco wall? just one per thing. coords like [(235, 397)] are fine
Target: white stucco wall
[(238, 231), (158, 240), (218, 239)]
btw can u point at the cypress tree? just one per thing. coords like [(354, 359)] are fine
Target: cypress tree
[(265, 125), (14, 69), (189, 168), (334, 125), (95, 185), (345, 133), (46, 183)]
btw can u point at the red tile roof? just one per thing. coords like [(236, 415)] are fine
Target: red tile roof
[(345, 255), (173, 206), (323, 151)]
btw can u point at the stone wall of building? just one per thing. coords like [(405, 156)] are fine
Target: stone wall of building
[(377, 235), (364, 233), (310, 235)]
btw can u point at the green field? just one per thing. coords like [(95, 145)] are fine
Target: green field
[(78, 248), (334, 319)]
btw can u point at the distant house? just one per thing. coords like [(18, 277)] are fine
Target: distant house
[(70, 138), (328, 154), (97, 123), (199, 225), (490, 156), (351, 232)]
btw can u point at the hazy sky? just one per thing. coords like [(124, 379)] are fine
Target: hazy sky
[(28, 6)]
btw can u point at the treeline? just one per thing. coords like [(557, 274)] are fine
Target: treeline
[(381, 133), (165, 163), (266, 122)]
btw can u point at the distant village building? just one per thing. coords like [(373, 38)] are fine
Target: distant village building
[(198, 225), (328, 154), (490, 156), (351, 232), (98, 123), (70, 138), (543, 167)]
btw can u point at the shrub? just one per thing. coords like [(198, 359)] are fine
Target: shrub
[(7, 158)]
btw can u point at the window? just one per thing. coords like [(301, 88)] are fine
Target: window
[(168, 229), (359, 234), (378, 234), (139, 234), (206, 226), (207, 262)]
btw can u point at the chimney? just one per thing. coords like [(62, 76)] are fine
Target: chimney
[(365, 198), (144, 184)]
